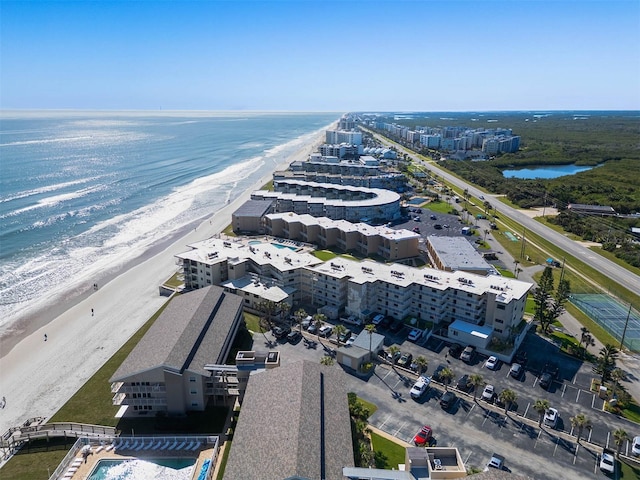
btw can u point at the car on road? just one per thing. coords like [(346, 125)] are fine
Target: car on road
[(551, 417), (516, 370), (351, 339), (496, 461), (437, 226), (405, 360), (433, 217), (447, 400), (420, 387), (325, 331), (455, 350), (607, 462), (423, 437), (414, 335), (468, 354), (464, 384), (294, 337), (280, 332), (492, 362), (635, 446), (488, 393), (416, 219)]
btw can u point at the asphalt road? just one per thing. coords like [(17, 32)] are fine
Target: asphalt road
[(618, 274)]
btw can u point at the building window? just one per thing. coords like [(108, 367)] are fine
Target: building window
[(192, 379), (499, 321), (455, 333), (194, 404), (500, 306), (498, 330), (194, 392)]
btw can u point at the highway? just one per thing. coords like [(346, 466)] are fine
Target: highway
[(616, 273)]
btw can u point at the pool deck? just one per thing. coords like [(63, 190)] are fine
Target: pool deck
[(84, 469)]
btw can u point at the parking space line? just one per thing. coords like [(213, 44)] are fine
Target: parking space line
[(385, 421), (590, 432), (526, 410), (575, 377), (564, 389), (486, 415), (471, 409), (593, 402), (578, 395), (576, 454), (608, 434), (535, 380), (537, 439), (398, 431), (388, 373)]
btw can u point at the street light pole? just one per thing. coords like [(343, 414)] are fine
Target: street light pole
[(626, 323)]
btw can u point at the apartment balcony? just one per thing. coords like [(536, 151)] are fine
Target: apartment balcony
[(119, 399), (121, 387)]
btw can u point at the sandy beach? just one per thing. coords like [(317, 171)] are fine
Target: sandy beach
[(38, 376)]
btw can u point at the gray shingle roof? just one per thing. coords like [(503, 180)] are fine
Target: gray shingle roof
[(188, 334), (294, 421), (253, 208)]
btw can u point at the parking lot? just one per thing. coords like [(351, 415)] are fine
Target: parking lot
[(475, 428)]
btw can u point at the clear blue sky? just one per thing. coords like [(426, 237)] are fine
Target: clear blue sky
[(321, 55)]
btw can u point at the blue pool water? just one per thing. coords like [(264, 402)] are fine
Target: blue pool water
[(279, 245), (254, 242), (137, 469), (417, 201)]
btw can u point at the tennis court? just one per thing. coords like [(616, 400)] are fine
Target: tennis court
[(610, 314)]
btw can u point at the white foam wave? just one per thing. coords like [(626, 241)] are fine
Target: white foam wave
[(54, 200), (46, 141), (46, 189)]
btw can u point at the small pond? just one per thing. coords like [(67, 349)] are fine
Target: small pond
[(548, 171)]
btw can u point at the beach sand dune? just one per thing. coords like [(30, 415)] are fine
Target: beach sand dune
[(38, 376)]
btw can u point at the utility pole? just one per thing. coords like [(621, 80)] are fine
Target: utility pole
[(626, 323), (544, 204), (524, 241)]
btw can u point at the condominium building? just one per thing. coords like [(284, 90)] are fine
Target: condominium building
[(165, 372), (338, 202), (456, 254), (358, 237), (353, 137), (396, 182)]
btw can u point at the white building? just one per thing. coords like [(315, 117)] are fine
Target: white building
[(353, 137)]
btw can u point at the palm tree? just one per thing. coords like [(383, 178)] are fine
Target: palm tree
[(268, 308), (508, 397), (541, 406), (619, 436), (370, 329), (339, 330), (326, 360), (477, 381), (616, 376), (393, 349), (319, 319), (422, 364), (515, 268), (586, 338), (580, 421), (445, 376), (300, 315), (606, 362), (486, 232)]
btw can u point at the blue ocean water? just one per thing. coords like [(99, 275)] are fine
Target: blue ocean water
[(78, 188)]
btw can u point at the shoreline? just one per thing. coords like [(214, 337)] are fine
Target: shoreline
[(85, 328)]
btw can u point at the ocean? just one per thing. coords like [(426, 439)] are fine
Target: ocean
[(79, 190)]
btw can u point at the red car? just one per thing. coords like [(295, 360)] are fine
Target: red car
[(423, 437)]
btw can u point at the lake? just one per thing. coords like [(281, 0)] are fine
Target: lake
[(549, 171)]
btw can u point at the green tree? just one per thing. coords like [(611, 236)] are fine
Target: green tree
[(422, 364), (549, 304), (339, 330), (587, 339), (477, 381), (268, 309), (606, 362), (327, 360), (617, 375), (445, 376), (318, 320), (541, 406), (580, 421), (508, 397), (300, 315), (619, 436), (393, 350), (370, 329)]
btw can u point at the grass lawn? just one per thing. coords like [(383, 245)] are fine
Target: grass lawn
[(229, 231), (439, 207), (388, 454), (252, 322), (629, 472), (324, 255), (632, 412), (530, 306), (38, 461), (176, 280), (372, 407)]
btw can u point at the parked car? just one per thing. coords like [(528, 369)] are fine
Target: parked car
[(377, 319), (635, 445), (325, 331), (464, 384), (551, 417), (351, 339), (447, 400), (280, 332), (414, 335), (433, 217), (607, 462), (488, 393), (496, 461), (455, 350), (385, 322), (516, 370), (491, 363), (393, 358), (436, 373), (396, 325), (312, 328), (294, 337), (468, 354), (420, 387), (307, 322), (546, 380), (415, 229), (344, 336), (405, 360), (423, 437)]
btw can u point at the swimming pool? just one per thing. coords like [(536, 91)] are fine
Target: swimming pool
[(254, 242), (279, 245), (138, 469)]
